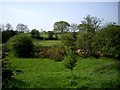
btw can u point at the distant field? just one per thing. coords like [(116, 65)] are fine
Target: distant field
[(45, 73), (45, 35), (48, 42)]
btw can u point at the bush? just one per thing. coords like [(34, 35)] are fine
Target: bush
[(107, 41), (5, 51), (83, 44), (68, 39), (55, 53), (37, 49), (104, 42), (22, 45), (7, 71)]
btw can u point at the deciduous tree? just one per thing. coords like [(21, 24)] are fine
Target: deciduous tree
[(22, 28), (8, 26), (70, 59), (73, 27), (35, 33), (88, 27), (61, 26)]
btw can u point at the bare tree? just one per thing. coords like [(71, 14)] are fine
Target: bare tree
[(73, 27), (8, 26), (2, 27), (21, 27), (90, 24)]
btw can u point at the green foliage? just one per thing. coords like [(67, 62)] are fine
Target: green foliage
[(81, 40), (68, 39), (7, 35), (4, 51), (50, 34), (35, 33), (56, 36), (84, 44), (69, 59), (22, 45), (104, 42), (61, 26), (87, 30), (7, 71), (37, 49), (90, 24), (107, 41)]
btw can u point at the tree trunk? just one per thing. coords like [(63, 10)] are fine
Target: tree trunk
[(62, 31)]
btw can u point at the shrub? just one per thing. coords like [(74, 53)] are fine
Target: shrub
[(37, 49), (7, 70), (22, 45), (107, 41), (70, 59), (5, 51), (104, 42), (84, 41), (55, 53), (81, 41), (68, 39)]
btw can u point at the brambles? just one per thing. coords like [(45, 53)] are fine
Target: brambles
[(55, 53)]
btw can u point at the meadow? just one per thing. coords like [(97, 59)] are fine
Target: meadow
[(46, 73), (33, 62), (48, 42)]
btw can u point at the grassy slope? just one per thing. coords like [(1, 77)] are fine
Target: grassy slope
[(47, 42), (45, 73)]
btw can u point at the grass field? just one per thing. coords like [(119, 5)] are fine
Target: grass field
[(47, 42), (45, 73)]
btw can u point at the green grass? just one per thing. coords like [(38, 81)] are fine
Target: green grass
[(45, 73), (47, 42)]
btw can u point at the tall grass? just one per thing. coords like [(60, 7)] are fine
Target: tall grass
[(45, 73)]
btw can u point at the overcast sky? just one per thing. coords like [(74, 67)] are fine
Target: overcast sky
[(43, 15)]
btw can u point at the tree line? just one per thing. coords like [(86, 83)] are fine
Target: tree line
[(89, 37)]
